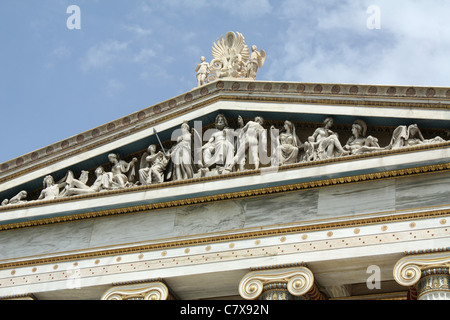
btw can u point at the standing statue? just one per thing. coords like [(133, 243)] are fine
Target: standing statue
[(288, 144), (219, 150), (153, 166), (181, 156), (239, 139), (119, 169), (203, 71), (310, 148), (255, 62), (254, 140), (328, 145), (358, 143), (404, 136)]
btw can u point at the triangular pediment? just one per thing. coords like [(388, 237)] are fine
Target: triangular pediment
[(382, 108)]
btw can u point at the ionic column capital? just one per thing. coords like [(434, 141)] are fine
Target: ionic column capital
[(408, 270), (297, 281), (142, 291)]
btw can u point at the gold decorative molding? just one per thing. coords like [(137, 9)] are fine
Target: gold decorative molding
[(26, 296), (165, 244)]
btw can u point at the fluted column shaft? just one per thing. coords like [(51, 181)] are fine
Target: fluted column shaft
[(434, 284)]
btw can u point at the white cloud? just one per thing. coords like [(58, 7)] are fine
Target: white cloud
[(139, 31), (144, 56), (114, 87), (330, 42), (61, 52), (246, 8), (103, 54)]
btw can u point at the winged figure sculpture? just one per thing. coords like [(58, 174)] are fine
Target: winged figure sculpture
[(232, 58)]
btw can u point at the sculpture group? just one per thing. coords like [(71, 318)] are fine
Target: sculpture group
[(226, 150), (231, 59)]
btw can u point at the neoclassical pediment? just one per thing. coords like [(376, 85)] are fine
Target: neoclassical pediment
[(372, 130)]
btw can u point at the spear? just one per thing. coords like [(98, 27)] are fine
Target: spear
[(164, 151)]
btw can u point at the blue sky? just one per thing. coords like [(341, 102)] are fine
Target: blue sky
[(128, 55)]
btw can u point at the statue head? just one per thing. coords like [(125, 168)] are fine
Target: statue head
[(48, 181), (359, 127), (185, 126), (113, 157), (99, 171), (413, 129), (328, 122), (221, 122), (288, 126)]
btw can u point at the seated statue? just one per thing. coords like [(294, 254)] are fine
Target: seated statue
[(153, 166), (288, 144), (219, 150), (327, 141), (119, 168)]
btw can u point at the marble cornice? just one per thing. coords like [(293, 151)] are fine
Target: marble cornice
[(236, 90)]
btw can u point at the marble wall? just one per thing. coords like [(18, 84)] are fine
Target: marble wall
[(365, 198)]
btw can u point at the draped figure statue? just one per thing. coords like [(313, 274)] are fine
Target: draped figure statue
[(358, 143), (153, 166), (289, 144), (119, 169), (328, 145), (181, 156), (219, 150), (407, 136)]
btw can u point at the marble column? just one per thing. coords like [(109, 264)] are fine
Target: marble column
[(294, 283), (141, 291), (426, 274)]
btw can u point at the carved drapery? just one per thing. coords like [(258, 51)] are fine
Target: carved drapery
[(427, 275), (143, 291), (296, 283)]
